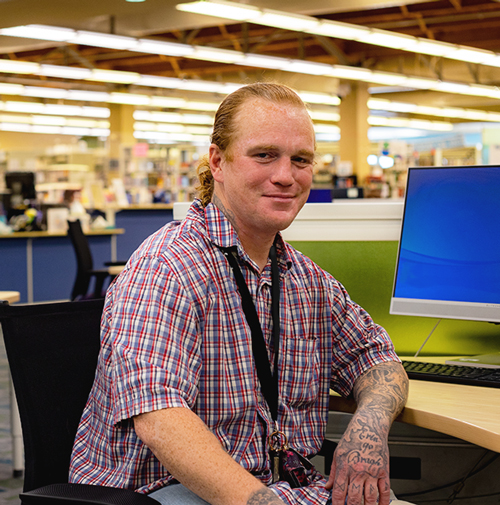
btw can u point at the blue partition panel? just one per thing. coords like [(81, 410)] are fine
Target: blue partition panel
[(54, 268), (13, 272), (138, 224)]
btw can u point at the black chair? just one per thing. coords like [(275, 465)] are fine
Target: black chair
[(52, 351), (85, 266)]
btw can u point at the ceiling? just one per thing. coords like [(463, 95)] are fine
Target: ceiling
[(473, 23)]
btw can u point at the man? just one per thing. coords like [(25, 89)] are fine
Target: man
[(177, 398)]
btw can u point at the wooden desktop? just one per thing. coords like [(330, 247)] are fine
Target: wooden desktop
[(470, 413)]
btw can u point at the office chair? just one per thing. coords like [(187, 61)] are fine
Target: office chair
[(52, 351), (85, 266)]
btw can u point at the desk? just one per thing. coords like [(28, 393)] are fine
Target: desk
[(10, 296), (470, 413), (15, 421), (42, 265)]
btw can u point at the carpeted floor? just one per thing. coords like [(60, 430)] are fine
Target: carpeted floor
[(9, 486)]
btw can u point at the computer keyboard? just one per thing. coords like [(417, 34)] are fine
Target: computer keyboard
[(456, 374)]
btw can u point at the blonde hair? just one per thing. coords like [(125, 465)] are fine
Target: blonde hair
[(225, 126)]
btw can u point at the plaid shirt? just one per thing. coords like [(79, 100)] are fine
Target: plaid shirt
[(174, 335)]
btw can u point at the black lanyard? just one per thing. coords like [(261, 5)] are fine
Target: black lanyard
[(268, 381)]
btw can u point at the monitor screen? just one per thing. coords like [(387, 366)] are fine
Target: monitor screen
[(448, 262), (21, 183)]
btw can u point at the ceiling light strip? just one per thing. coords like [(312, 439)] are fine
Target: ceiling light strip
[(341, 30), (214, 54)]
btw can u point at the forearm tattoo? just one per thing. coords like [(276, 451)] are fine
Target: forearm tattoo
[(264, 497), (381, 394), (383, 389)]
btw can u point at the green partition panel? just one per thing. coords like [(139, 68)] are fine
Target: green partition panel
[(366, 269)]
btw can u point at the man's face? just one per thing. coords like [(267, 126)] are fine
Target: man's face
[(265, 178)]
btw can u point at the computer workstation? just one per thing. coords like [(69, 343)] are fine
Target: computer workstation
[(448, 263), (448, 266)]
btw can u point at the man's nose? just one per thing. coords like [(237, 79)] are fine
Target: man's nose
[(283, 173)]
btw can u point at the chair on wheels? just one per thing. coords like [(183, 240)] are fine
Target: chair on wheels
[(85, 266), (52, 351)]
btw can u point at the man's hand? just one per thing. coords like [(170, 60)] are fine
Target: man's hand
[(360, 467)]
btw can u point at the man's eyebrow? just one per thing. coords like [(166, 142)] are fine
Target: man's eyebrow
[(271, 147), (305, 152)]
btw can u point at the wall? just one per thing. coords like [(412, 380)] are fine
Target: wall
[(366, 269)]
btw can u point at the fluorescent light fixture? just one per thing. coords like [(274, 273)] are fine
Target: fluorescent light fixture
[(204, 106), (18, 67), (419, 82), (156, 81), (15, 127), (435, 47), (100, 112), (388, 78), (389, 39), (48, 120), (42, 92), (324, 116), (231, 10), (287, 21), (55, 109), (114, 76), (382, 104), (104, 40), (163, 117), (452, 87), (11, 89), (474, 55), (7, 118), (197, 119), (41, 32), (409, 123), (320, 98), (27, 107), (87, 96), (344, 72), (215, 54), (258, 60), (65, 72), (46, 129), (307, 67), (340, 30), (326, 128), (129, 98), (167, 102), (165, 48), (204, 86), (86, 123)]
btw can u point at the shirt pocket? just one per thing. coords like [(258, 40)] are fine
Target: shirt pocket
[(300, 374)]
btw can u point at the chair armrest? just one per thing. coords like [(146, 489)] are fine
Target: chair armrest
[(115, 263), (83, 494)]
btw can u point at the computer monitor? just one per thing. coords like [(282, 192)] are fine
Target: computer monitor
[(21, 183), (448, 263)]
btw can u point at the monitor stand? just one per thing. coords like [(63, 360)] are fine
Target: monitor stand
[(481, 360)]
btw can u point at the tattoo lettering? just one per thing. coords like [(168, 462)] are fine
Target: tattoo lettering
[(264, 497), (227, 212)]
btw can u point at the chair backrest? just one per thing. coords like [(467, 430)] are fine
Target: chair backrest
[(84, 259), (52, 351)]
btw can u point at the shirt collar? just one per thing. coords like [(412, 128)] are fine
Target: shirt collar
[(220, 231)]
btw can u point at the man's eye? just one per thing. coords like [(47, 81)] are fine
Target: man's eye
[(301, 161)]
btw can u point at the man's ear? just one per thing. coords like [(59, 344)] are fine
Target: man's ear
[(216, 159)]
